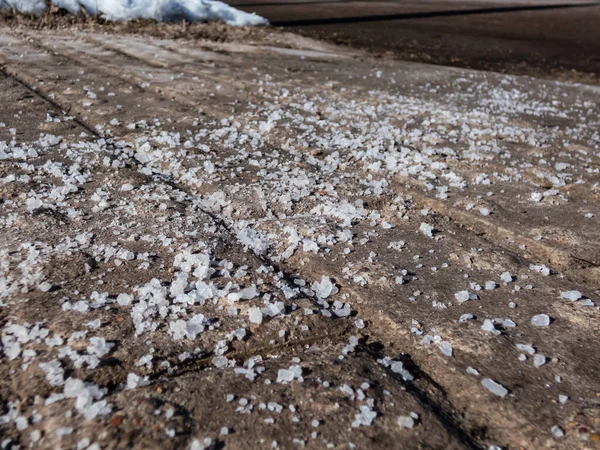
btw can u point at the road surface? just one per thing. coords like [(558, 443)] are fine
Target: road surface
[(557, 39)]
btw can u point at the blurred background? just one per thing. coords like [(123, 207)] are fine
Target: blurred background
[(551, 38)]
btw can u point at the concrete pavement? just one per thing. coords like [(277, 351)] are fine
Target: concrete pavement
[(264, 241)]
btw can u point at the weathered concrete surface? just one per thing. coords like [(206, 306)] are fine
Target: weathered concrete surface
[(160, 196)]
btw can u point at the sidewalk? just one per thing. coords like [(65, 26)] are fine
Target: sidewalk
[(265, 241)]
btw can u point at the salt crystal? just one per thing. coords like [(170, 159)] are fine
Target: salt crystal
[(507, 323), (398, 367), (506, 277), (205, 444), (45, 286), (462, 296), (325, 288), (489, 326), (406, 421), (571, 295), (125, 254), (490, 285), (540, 268), (255, 315), (539, 360), (64, 431), (124, 299), (343, 312), (537, 196), (21, 423), (35, 436), (472, 371), (465, 317), (249, 293), (284, 376), (134, 381), (99, 346), (446, 348), (364, 417), (526, 348), (540, 320), (427, 229), (494, 388), (94, 324), (54, 372)]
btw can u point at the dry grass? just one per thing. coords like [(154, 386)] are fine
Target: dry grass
[(59, 19)]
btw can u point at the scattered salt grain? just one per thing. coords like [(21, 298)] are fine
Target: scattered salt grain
[(539, 360), (540, 320), (124, 299), (324, 288), (462, 296), (406, 421), (571, 295), (471, 371), (490, 285), (45, 286), (446, 348), (427, 229), (506, 277), (135, 381), (288, 375), (255, 315), (494, 388), (540, 268), (365, 416), (526, 348)]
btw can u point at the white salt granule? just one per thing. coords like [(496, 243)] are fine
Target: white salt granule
[(540, 320), (494, 388)]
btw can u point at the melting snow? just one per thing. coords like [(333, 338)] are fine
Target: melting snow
[(160, 10)]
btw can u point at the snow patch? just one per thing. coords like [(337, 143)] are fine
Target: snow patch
[(159, 10)]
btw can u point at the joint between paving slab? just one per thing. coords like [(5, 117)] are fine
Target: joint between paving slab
[(447, 418), (13, 74)]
